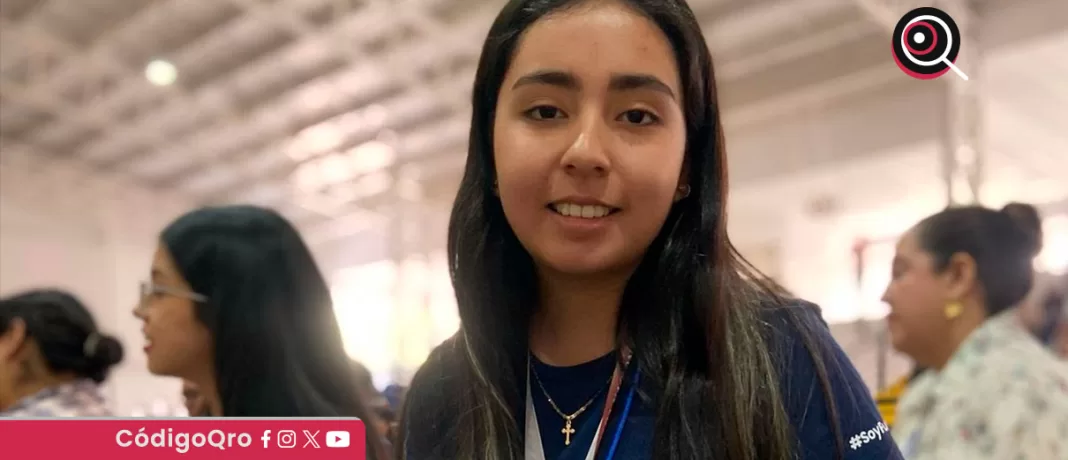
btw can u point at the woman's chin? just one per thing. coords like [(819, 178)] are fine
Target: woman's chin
[(582, 265), (894, 334), (158, 368)]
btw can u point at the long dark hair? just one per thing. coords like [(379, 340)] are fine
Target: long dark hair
[(64, 331), (278, 348), (690, 311)]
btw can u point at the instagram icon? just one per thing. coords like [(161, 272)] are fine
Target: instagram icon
[(287, 439)]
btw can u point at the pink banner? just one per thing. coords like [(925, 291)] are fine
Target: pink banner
[(185, 438)]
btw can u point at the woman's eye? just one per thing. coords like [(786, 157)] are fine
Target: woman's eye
[(545, 112), (639, 117)]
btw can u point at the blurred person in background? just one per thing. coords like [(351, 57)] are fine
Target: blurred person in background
[(1061, 342), (991, 391), (381, 415), (1043, 310), (52, 357), (194, 401), (1058, 298), (395, 395), (236, 305), (604, 311), (1037, 313)]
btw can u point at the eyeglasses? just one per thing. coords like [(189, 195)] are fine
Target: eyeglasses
[(150, 289)]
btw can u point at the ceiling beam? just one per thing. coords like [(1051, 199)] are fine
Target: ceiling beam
[(99, 59), (406, 11), (38, 95), (788, 51), (213, 96), (419, 53), (885, 13)]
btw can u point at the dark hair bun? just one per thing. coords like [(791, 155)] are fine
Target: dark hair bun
[(109, 350), (105, 353), (1029, 222)]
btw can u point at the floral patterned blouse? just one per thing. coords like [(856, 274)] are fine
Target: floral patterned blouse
[(75, 399), (1002, 396)]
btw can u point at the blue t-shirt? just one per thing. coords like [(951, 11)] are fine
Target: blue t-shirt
[(865, 435), (570, 388)]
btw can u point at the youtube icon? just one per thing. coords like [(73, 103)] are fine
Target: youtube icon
[(337, 439)]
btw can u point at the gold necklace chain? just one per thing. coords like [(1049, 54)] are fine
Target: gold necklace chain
[(567, 430)]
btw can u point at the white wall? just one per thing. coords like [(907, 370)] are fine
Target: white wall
[(94, 237)]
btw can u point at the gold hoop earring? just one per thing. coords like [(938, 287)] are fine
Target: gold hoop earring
[(684, 191), (953, 309)]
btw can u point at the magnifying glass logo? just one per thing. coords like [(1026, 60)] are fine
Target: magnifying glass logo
[(926, 42)]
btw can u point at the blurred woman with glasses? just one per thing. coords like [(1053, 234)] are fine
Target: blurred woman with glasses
[(236, 305), (52, 357)]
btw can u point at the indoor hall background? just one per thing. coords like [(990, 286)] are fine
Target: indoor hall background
[(350, 116)]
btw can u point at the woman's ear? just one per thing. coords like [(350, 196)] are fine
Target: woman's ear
[(961, 275), (682, 189), (12, 341)]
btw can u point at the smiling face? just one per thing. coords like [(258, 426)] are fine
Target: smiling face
[(177, 343), (589, 138)]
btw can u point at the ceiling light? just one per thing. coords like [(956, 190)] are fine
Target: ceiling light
[(371, 157), (161, 73)]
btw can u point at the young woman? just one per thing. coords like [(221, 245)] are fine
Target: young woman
[(52, 357), (991, 390), (237, 306), (604, 312)]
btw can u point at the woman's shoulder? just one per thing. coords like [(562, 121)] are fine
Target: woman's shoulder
[(1009, 411), (793, 322), (76, 399), (830, 406), (440, 366), (438, 378), (800, 342), (428, 418)]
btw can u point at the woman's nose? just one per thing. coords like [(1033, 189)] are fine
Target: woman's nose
[(587, 154)]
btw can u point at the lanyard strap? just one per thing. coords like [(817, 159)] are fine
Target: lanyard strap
[(534, 449), (623, 417)]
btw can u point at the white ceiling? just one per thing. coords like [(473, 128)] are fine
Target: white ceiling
[(320, 107)]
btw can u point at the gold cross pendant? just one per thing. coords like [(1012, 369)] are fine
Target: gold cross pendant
[(567, 431)]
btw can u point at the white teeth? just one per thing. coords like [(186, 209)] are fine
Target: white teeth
[(585, 212)]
